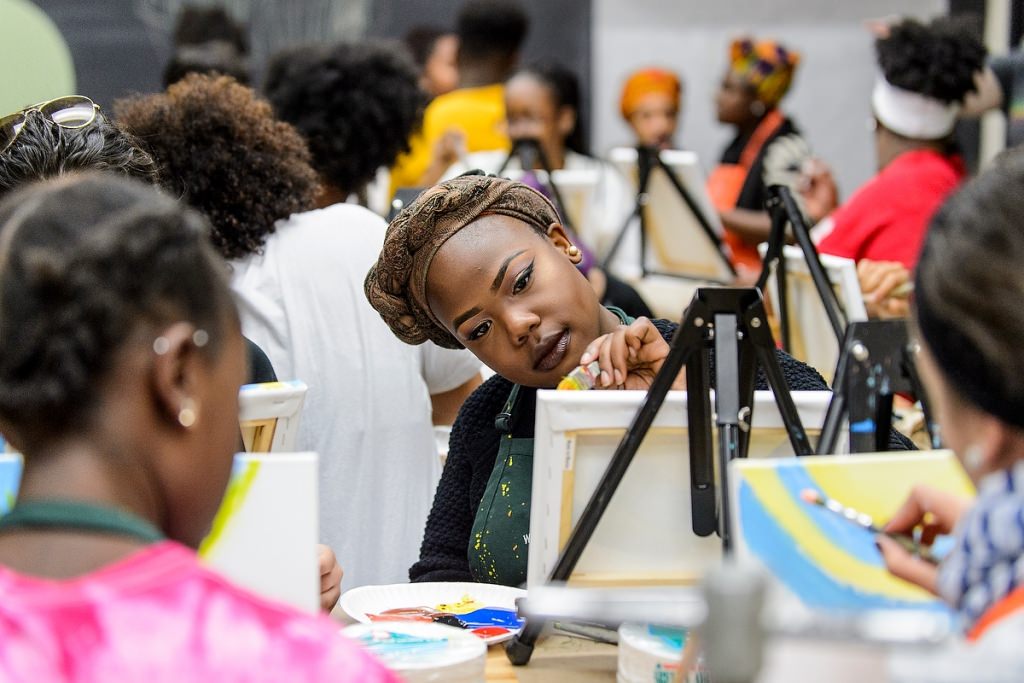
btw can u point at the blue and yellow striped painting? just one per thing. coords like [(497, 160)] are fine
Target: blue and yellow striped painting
[(10, 479), (825, 560)]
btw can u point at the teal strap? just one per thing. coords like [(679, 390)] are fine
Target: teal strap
[(625, 319), (66, 514), (503, 420)]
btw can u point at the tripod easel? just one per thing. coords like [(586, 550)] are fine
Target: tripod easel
[(649, 160), (784, 211), (876, 361), (733, 323)]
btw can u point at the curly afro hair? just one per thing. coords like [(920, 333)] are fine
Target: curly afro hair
[(356, 103), (220, 148), (937, 60)]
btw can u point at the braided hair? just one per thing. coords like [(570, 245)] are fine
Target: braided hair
[(86, 263), (937, 60)]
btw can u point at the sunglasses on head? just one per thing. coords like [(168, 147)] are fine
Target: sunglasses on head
[(73, 111)]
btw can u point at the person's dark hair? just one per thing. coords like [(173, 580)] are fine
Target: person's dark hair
[(215, 57), (421, 41), (565, 92), (938, 60), (45, 150), (221, 149), (356, 104), (197, 25), (491, 29), (968, 289), (86, 262)]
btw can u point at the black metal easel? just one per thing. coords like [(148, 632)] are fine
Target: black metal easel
[(531, 154), (648, 159), (732, 321), (784, 211), (876, 361)]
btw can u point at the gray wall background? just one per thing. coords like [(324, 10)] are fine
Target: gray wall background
[(829, 99)]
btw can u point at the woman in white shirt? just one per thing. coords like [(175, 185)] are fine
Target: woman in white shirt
[(298, 277)]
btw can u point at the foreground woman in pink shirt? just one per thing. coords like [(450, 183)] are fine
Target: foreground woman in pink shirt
[(119, 373)]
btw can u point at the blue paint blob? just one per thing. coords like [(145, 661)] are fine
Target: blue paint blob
[(492, 616)]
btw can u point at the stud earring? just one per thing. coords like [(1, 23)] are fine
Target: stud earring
[(161, 345), (200, 338), (187, 414), (574, 251)]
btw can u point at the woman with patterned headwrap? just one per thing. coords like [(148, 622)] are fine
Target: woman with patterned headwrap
[(483, 263), (650, 104), (767, 150)]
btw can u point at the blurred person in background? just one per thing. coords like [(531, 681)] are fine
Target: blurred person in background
[(925, 72), (435, 52), (470, 118), (768, 148), (650, 103), (297, 272)]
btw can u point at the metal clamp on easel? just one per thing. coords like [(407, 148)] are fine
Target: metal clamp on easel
[(876, 361), (648, 160), (733, 323), (784, 211)]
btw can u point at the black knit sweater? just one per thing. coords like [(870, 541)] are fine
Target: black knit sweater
[(473, 448)]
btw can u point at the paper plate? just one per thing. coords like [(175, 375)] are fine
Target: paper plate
[(487, 608)]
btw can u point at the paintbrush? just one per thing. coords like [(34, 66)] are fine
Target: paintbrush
[(582, 378), (864, 521)]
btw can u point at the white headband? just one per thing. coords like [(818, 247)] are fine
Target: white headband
[(910, 114)]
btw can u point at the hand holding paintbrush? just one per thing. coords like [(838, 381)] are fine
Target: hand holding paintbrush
[(905, 541), (931, 511)]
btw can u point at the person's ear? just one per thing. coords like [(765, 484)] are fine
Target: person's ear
[(993, 447), (176, 372), (560, 239), (566, 121)]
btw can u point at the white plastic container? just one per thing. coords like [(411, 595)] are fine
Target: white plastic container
[(424, 652), (650, 654)]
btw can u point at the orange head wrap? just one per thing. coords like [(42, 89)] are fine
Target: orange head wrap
[(646, 81)]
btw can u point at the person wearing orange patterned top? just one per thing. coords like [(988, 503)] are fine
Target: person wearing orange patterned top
[(768, 148)]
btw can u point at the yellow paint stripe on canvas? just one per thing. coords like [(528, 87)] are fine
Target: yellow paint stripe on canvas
[(234, 497), (879, 488)]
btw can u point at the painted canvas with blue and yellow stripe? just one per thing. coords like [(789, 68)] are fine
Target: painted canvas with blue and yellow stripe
[(827, 561)]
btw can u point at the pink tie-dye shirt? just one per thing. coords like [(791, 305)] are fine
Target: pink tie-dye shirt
[(158, 615)]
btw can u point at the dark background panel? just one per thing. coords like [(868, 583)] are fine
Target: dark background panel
[(120, 46)]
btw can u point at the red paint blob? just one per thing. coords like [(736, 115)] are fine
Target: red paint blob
[(489, 631)]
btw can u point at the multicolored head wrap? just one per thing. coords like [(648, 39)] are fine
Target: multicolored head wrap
[(766, 65), (646, 81), (397, 285)]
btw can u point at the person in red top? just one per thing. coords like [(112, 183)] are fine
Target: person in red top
[(925, 72), (886, 219)]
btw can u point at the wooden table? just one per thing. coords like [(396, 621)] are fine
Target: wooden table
[(557, 659)]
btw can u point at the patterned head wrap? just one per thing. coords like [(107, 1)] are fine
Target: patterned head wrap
[(766, 65), (397, 285), (646, 81)]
